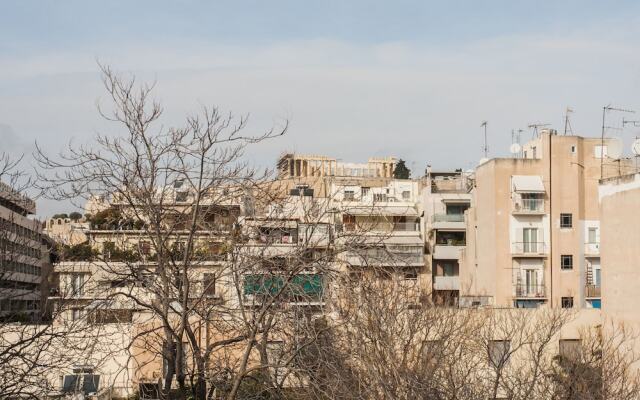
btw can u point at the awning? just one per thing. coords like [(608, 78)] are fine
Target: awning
[(527, 184), (398, 211)]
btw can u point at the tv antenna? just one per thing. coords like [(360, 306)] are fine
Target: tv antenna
[(604, 127), (535, 127), (634, 123), (485, 148), (567, 122)]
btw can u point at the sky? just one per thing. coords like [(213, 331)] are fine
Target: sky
[(410, 79)]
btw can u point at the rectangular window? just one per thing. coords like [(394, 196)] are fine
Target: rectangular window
[(448, 269), (77, 314), (380, 197), (406, 195), (593, 235), (567, 302), (364, 191), (77, 284), (349, 195), (411, 274), (566, 220), (499, 352), (530, 240), (573, 149), (570, 348), (566, 261), (209, 285)]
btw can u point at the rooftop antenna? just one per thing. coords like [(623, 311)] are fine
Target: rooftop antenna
[(567, 122), (535, 127), (634, 123), (604, 127), (486, 149)]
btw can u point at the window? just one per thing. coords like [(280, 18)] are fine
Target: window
[(349, 195), (448, 269), (380, 197), (145, 247), (530, 240), (535, 152), (566, 220), (566, 261), (567, 302), (181, 197), (570, 348), (406, 195), (593, 235), (364, 191), (411, 274), (77, 314), (77, 284), (573, 149), (209, 285), (499, 352)]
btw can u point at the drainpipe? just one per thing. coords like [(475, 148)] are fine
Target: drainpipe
[(550, 227)]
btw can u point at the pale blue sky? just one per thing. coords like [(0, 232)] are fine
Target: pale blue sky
[(412, 79)]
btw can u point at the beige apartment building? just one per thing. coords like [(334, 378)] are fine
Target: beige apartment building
[(620, 249), (24, 257), (446, 196), (534, 228)]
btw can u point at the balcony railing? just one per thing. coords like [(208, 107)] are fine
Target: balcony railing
[(528, 248), (530, 291), (592, 248), (406, 226), (447, 218), (383, 257), (592, 291), (528, 205)]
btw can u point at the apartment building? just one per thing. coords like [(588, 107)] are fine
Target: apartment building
[(620, 252), (379, 231), (293, 165), (24, 257), (446, 197), (534, 228)]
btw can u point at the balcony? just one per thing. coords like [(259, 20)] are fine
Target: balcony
[(592, 291), (528, 249), (406, 227), (448, 221), (383, 257), (446, 283), (592, 249), (447, 252), (528, 206), (525, 291)]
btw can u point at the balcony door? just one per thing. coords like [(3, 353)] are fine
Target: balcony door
[(531, 281), (530, 240)]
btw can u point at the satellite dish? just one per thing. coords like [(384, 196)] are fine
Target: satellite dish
[(515, 148), (483, 160), (614, 148), (635, 147)]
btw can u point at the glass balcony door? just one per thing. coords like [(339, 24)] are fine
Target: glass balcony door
[(530, 240)]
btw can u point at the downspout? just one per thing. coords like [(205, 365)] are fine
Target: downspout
[(550, 226)]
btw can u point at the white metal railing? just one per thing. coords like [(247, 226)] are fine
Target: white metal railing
[(447, 218), (528, 205), (592, 248), (406, 226), (528, 248)]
